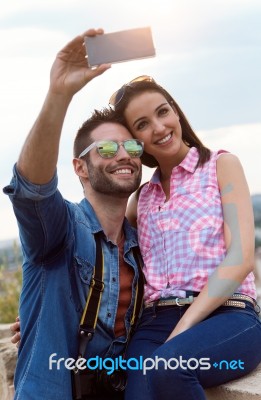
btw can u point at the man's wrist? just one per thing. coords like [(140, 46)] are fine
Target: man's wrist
[(59, 98)]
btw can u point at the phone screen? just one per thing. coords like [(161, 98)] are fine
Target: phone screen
[(119, 46)]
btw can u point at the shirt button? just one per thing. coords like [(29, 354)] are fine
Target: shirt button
[(113, 279), (109, 314)]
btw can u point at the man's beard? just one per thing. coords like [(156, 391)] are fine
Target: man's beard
[(104, 184)]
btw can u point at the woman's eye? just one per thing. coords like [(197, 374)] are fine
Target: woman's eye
[(141, 125), (163, 111)]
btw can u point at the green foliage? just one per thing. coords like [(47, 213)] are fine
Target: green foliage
[(10, 254), (257, 242), (10, 287)]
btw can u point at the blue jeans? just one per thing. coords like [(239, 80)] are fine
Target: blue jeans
[(230, 338)]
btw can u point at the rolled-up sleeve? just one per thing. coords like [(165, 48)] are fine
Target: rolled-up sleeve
[(42, 217), (21, 188)]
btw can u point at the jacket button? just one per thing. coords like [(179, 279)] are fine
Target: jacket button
[(108, 314)]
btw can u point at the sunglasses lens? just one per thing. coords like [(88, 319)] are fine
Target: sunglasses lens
[(133, 147), (107, 149), (142, 78), (118, 95)]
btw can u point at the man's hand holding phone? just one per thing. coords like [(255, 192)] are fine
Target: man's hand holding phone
[(75, 65), (114, 47), (70, 71)]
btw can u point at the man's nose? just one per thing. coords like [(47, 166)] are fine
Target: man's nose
[(122, 153)]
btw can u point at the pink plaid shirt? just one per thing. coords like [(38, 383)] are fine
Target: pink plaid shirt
[(182, 240)]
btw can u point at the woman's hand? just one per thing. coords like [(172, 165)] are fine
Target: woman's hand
[(15, 329)]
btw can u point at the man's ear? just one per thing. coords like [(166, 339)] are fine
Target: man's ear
[(80, 168)]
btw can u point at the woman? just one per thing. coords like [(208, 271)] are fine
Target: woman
[(200, 326)]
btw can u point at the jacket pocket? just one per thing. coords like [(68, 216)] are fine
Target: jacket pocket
[(84, 269)]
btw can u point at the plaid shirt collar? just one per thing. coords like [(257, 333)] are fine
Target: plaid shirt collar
[(189, 164)]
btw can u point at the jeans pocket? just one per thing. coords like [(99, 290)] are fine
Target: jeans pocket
[(249, 310)]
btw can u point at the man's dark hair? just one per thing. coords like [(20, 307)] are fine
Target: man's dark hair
[(83, 137)]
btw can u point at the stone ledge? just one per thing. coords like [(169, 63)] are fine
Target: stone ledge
[(246, 388), (5, 331), (8, 357)]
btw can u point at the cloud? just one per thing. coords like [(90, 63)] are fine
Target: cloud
[(245, 142), (208, 57)]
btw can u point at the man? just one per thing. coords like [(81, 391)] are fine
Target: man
[(57, 236)]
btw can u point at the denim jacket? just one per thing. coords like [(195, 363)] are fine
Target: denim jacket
[(58, 245)]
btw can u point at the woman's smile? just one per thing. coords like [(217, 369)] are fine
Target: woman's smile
[(165, 139)]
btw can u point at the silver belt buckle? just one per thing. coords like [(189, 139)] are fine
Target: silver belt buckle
[(182, 302)]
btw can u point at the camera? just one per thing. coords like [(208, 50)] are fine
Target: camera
[(115, 382), (87, 383)]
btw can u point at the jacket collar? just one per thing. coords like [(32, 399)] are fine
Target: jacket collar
[(95, 226)]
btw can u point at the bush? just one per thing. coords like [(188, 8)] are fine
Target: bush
[(10, 288)]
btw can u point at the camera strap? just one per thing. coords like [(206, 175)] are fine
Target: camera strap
[(138, 303), (90, 314)]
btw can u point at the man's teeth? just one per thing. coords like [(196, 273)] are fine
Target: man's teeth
[(122, 171), (165, 139)]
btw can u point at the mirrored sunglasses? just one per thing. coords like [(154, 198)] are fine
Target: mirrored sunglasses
[(117, 96), (109, 148)]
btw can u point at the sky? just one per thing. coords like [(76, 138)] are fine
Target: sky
[(208, 56)]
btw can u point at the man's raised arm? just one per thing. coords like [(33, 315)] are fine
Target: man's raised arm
[(69, 74)]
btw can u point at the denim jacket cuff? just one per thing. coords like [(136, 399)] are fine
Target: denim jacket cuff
[(20, 187)]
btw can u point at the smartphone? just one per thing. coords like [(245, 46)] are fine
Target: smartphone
[(131, 44)]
